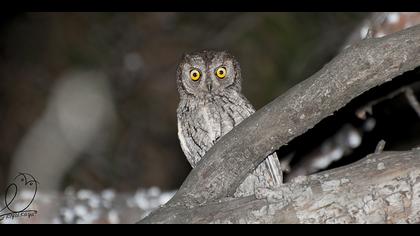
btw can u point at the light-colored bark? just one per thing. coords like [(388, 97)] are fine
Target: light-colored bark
[(382, 188)]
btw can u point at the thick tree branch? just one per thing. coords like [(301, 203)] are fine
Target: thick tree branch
[(357, 69), (382, 188)]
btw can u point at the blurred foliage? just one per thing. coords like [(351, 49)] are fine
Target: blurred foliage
[(139, 52)]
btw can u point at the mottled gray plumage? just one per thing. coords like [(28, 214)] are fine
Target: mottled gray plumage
[(210, 107)]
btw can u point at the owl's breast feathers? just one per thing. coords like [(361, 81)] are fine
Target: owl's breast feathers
[(202, 123)]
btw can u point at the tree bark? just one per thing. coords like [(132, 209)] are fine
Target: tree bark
[(357, 69), (382, 188)]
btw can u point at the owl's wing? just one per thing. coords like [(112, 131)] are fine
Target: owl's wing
[(271, 163), (192, 156)]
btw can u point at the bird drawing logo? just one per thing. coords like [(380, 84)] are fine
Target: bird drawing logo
[(18, 197)]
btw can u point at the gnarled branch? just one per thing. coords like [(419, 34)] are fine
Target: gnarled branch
[(357, 69), (382, 188)]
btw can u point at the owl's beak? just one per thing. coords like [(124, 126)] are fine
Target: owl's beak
[(209, 85)]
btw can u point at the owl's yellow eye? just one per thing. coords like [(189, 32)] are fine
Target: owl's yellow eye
[(195, 75), (221, 72)]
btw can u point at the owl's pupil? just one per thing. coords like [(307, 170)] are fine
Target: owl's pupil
[(195, 74)]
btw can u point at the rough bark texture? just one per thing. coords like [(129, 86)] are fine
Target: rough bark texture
[(382, 188), (357, 69)]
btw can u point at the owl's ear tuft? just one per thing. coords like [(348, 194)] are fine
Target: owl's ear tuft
[(226, 52), (238, 75), (179, 83), (184, 57)]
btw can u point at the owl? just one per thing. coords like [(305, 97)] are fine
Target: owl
[(23, 184), (211, 104)]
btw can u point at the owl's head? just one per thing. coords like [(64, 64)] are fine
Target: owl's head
[(208, 73)]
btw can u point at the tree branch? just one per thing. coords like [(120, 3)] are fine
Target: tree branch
[(382, 188), (357, 69)]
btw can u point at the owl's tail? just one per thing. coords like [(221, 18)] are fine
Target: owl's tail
[(273, 164)]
